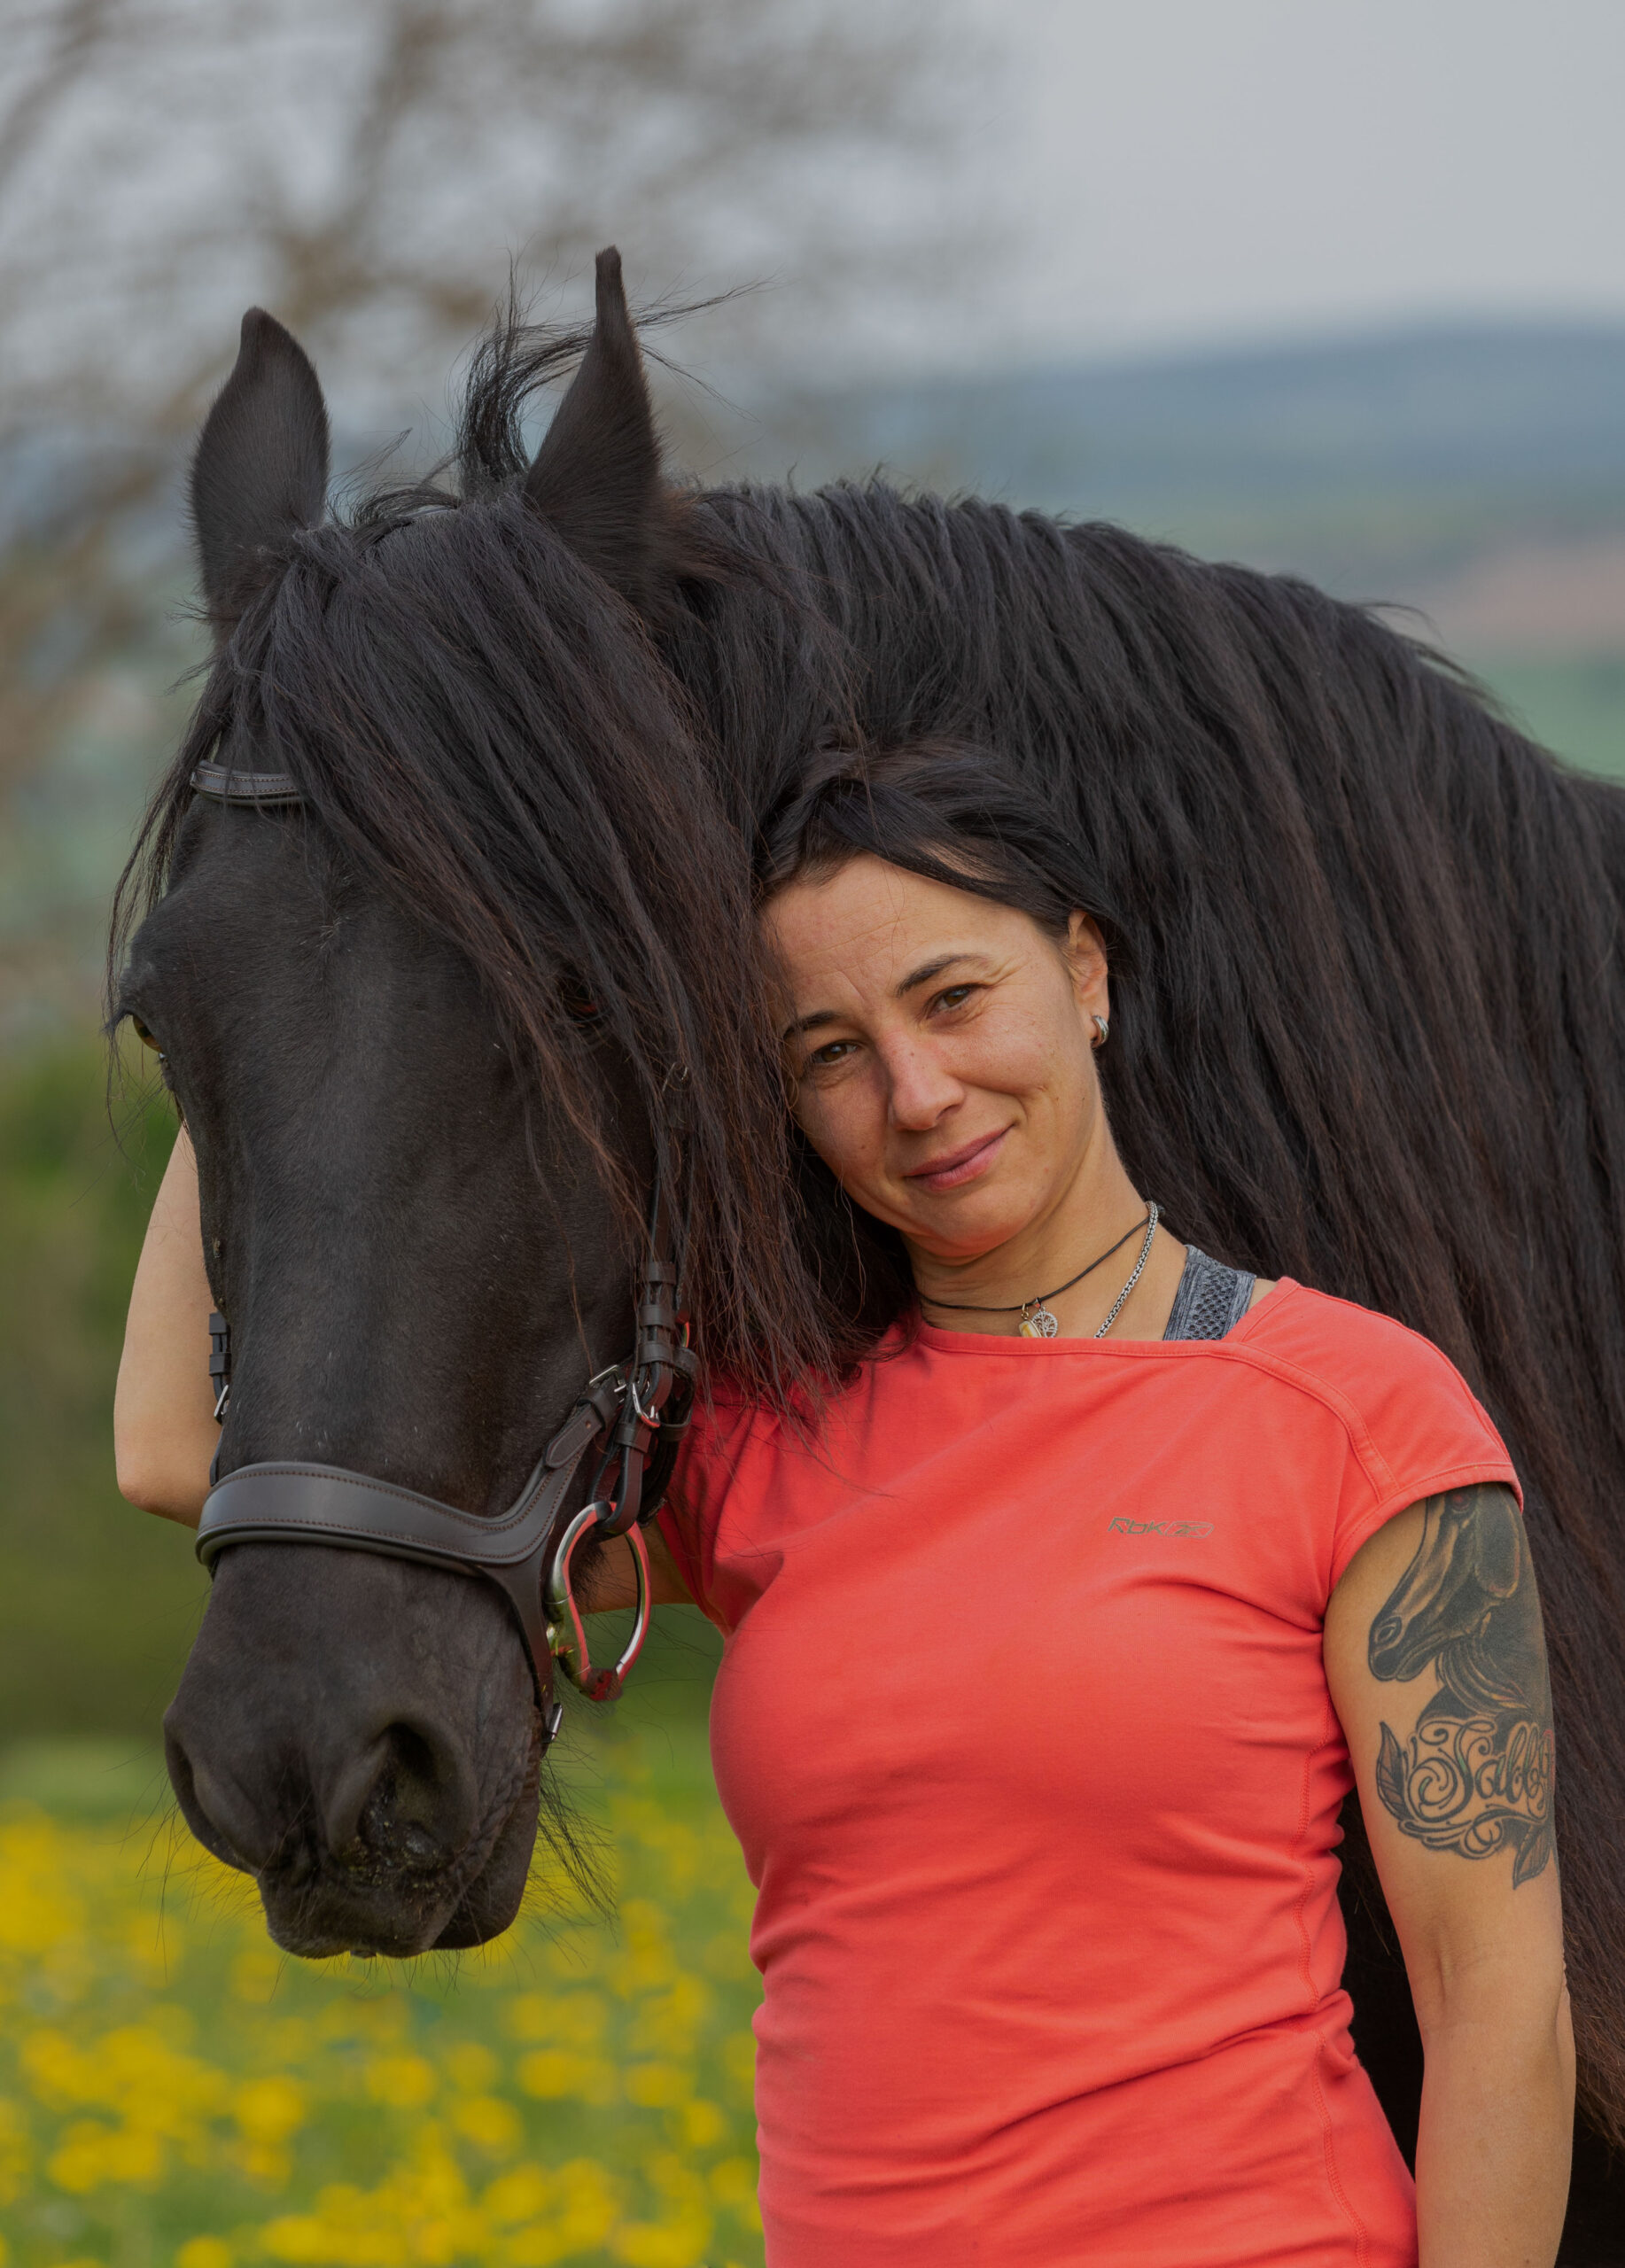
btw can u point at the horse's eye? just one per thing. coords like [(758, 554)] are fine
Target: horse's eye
[(579, 1004), (145, 1036)]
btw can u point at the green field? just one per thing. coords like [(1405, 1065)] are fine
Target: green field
[(173, 2090)]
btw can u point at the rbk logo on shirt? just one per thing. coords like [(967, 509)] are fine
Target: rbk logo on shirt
[(1159, 1527)]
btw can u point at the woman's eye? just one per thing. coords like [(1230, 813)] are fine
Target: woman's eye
[(955, 997), (824, 1059)]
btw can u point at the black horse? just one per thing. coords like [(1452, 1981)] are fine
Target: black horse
[(427, 1024)]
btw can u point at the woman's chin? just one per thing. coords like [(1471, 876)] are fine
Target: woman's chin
[(959, 1229)]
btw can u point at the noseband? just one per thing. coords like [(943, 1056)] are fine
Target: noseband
[(634, 1414)]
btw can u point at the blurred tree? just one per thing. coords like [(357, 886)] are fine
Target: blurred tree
[(369, 172)]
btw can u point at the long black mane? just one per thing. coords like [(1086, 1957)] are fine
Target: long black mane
[(1374, 1037)]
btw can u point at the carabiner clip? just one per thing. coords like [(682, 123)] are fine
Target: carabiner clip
[(566, 1638)]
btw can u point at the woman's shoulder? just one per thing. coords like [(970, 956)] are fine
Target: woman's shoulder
[(1394, 1388), (1294, 1317)]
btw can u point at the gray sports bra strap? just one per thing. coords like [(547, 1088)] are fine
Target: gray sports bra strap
[(1211, 1299)]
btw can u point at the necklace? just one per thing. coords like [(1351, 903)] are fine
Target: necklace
[(1037, 1322)]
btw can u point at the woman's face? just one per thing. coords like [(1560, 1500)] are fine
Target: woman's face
[(939, 1050)]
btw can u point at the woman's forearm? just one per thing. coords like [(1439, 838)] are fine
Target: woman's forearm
[(1492, 2154), (163, 1417)]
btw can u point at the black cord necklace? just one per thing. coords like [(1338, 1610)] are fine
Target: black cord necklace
[(1037, 1322)]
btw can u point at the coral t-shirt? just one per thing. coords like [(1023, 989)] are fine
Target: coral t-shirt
[(1023, 1726)]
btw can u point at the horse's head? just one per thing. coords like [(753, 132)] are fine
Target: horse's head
[(1466, 1563), (423, 1025)]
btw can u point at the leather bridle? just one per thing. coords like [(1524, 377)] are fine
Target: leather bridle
[(634, 1412)]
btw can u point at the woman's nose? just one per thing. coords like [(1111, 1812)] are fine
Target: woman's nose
[(920, 1088)]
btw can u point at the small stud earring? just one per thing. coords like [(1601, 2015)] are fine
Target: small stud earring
[(1104, 1029)]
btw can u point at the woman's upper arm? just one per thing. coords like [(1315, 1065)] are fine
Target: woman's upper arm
[(611, 1582), (1436, 1663), (163, 1412)]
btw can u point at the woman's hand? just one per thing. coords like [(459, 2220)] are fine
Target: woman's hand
[(1437, 1668), (163, 1411)]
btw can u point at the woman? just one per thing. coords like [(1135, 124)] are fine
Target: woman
[(1058, 1636)]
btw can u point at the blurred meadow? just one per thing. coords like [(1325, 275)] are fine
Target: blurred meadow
[(172, 2091)]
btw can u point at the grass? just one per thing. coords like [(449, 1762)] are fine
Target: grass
[(97, 1604), (173, 2091)]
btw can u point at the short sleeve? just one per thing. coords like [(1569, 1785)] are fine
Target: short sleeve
[(1417, 1431)]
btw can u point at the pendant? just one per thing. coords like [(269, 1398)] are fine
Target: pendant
[(1038, 1323)]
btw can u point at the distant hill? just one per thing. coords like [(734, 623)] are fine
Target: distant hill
[(1378, 465)]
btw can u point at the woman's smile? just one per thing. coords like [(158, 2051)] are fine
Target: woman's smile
[(957, 1166)]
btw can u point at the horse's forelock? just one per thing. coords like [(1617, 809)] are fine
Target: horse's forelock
[(491, 738)]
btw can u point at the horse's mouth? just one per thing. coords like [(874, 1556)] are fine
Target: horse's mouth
[(408, 1899)]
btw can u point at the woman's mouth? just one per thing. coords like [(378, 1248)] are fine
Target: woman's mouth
[(959, 1166)]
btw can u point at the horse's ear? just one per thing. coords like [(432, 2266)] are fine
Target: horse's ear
[(1499, 1540), (596, 476), (260, 469)]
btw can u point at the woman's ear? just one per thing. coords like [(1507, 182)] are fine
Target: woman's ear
[(1085, 954)]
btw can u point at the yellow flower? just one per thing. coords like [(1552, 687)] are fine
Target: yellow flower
[(700, 2125), (490, 2123), (403, 2082), (91, 2157), (680, 2243), (204, 2252), (574, 2019), (270, 2110), (520, 2196), (554, 2075)]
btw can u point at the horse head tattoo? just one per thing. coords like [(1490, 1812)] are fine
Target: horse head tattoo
[(1476, 1777)]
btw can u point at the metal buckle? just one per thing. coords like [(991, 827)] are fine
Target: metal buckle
[(649, 1417), (566, 1638)]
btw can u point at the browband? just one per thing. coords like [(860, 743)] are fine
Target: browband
[(227, 785)]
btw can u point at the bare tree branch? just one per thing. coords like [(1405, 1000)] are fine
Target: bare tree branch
[(75, 36), (370, 169)]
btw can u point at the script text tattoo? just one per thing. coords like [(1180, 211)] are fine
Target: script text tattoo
[(1476, 1776)]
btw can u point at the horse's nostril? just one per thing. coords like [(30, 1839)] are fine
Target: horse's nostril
[(207, 1808), (1387, 1631), (406, 1798)]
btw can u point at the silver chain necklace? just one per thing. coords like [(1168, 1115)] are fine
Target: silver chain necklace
[(1049, 1326), (1037, 1321)]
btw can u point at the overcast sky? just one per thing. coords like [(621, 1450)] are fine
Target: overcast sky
[(1188, 171)]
